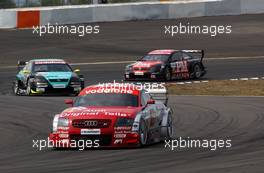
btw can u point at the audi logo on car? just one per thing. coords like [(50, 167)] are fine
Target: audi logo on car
[(91, 123)]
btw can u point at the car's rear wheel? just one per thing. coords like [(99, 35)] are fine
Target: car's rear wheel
[(143, 133), (197, 71), (167, 74)]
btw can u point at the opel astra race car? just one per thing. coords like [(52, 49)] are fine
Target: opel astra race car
[(41, 76), (166, 65), (113, 116)]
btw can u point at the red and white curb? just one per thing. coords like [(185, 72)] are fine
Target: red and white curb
[(190, 82), (246, 78), (206, 81)]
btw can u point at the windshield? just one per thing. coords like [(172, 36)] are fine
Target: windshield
[(163, 58), (51, 68), (107, 99)]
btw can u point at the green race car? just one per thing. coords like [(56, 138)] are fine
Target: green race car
[(42, 76)]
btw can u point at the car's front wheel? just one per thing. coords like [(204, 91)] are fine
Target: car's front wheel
[(28, 89), (169, 127), (16, 88)]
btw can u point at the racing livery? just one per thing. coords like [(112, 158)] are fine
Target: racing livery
[(41, 76), (114, 116), (167, 65)]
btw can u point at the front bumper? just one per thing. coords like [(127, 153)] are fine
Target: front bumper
[(40, 88), (63, 140), (143, 76)]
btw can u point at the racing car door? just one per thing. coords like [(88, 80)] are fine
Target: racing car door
[(179, 66), (153, 115)]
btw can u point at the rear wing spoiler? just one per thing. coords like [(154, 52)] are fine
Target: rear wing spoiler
[(160, 94), (196, 53)]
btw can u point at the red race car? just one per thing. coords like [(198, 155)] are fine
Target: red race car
[(113, 115), (167, 65)]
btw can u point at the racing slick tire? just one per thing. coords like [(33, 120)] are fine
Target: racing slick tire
[(167, 74), (167, 127), (16, 88), (197, 71), (143, 133), (28, 88)]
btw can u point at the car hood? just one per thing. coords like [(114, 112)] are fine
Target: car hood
[(146, 64), (100, 112), (55, 75), (57, 79)]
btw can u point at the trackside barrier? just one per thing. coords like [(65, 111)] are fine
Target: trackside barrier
[(28, 17)]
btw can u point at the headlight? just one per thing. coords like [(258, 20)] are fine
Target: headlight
[(63, 122), (55, 123), (156, 68), (59, 122), (124, 122), (129, 68), (75, 80), (40, 79)]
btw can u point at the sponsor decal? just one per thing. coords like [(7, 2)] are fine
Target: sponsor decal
[(120, 135), (90, 131), (109, 90), (50, 62), (139, 73), (88, 113), (118, 141), (63, 128), (123, 128), (59, 86)]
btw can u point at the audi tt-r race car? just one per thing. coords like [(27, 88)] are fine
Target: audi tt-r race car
[(167, 65), (41, 76), (114, 116)]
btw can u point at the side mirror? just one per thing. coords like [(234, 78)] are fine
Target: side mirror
[(77, 71), (68, 102), (151, 102)]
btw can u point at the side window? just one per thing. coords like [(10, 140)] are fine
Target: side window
[(176, 57), (144, 97), (186, 56)]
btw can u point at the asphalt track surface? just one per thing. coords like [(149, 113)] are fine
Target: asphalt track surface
[(237, 118)]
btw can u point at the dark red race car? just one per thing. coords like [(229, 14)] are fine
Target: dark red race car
[(167, 65), (113, 116)]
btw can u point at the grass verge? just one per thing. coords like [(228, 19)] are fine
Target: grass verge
[(221, 88)]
